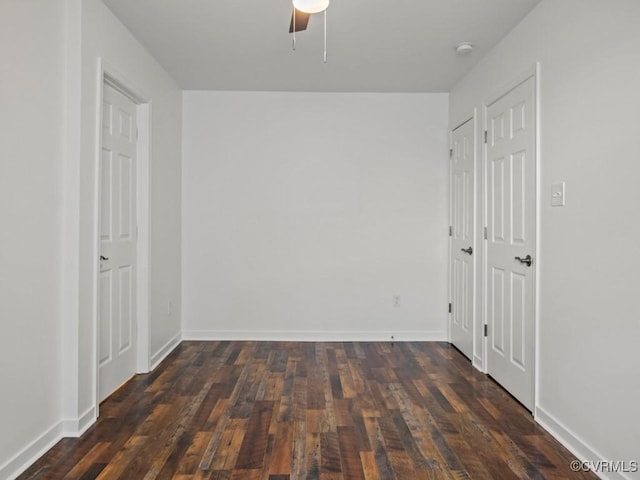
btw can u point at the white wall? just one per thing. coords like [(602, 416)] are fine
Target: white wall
[(31, 106), (589, 327), (303, 213), (48, 133), (104, 36)]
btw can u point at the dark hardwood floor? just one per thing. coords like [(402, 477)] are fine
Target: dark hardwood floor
[(279, 410)]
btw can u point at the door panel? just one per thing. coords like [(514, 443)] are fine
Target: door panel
[(125, 314), (497, 306), (462, 265), (117, 320), (518, 317), (498, 195), (510, 154), (106, 321)]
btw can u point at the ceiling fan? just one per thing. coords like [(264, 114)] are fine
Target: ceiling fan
[(299, 21), (302, 11)]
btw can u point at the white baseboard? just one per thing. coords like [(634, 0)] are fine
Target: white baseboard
[(70, 427), (32, 452), (478, 363), (311, 336), (75, 427), (574, 443), (165, 350)]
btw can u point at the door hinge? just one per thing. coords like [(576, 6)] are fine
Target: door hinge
[(449, 308), (486, 134), (451, 153), (486, 236), (450, 231), (486, 329)]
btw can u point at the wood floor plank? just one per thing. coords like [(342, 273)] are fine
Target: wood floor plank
[(254, 444), (210, 452), (310, 411), (330, 453), (312, 452), (378, 446), (121, 460), (88, 462), (349, 453), (369, 469), (282, 450), (189, 462)]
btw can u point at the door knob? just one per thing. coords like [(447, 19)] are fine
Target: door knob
[(526, 260), (468, 251), (103, 258)]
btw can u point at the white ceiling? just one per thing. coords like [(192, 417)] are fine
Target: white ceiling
[(373, 45)]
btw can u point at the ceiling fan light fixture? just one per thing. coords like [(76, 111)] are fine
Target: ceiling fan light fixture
[(311, 6)]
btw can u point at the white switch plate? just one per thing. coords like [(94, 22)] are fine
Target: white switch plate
[(557, 194)]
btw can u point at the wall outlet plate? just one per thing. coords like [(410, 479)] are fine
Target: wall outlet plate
[(558, 194), (395, 300)]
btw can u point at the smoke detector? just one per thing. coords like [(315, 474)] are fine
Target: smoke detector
[(464, 48)]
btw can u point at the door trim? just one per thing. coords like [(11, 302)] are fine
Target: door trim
[(107, 74), (531, 72)]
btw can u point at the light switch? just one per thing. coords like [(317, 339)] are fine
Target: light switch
[(557, 195)]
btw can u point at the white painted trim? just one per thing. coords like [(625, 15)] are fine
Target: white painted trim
[(32, 452), (538, 204), (506, 87), (107, 74), (573, 442), (477, 363), (95, 274), (477, 235), (75, 427), (467, 118), (70, 248), (143, 205), (485, 223), (316, 336), (450, 238), (165, 350)]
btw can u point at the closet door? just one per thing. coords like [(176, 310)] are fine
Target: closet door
[(510, 280), (463, 249)]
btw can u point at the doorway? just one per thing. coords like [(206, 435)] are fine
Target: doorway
[(118, 242), (462, 231), (122, 233)]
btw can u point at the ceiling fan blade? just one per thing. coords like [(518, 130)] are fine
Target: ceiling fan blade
[(302, 20)]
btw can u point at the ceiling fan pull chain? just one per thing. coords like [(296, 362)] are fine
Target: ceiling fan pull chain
[(325, 35), (294, 28)]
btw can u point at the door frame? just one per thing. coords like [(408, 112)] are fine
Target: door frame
[(531, 72), (473, 118), (109, 75)]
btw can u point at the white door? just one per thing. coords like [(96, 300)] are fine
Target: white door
[(463, 253), (511, 183), (117, 302)]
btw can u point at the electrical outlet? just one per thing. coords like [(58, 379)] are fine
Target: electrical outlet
[(395, 300)]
